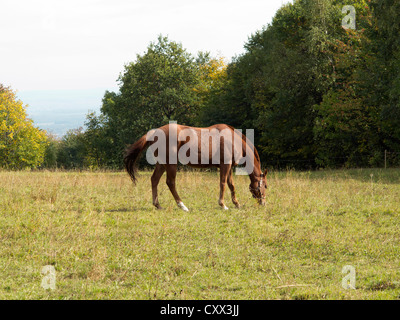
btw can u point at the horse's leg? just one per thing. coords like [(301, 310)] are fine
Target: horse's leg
[(155, 179), (171, 175), (223, 176), (232, 188)]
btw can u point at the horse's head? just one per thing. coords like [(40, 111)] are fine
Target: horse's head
[(258, 188)]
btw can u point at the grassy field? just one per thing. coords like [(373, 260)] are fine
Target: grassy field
[(106, 241)]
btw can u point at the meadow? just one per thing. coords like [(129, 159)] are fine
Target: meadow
[(106, 241)]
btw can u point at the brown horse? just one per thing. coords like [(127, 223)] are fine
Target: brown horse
[(196, 147)]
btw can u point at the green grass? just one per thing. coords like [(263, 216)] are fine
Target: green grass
[(106, 241)]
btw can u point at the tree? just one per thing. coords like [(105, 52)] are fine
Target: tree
[(22, 145), (302, 79), (159, 86), (385, 80), (359, 117), (97, 143), (72, 151), (275, 84), (212, 78), (51, 152), (156, 88)]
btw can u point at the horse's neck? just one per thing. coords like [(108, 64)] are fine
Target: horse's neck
[(256, 174)]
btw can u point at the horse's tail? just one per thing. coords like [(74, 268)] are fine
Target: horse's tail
[(132, 155)]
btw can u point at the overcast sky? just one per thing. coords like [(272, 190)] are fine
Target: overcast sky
[(84, 44), (51, 44)]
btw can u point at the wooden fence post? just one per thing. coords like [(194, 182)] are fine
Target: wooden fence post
[(385, 157)]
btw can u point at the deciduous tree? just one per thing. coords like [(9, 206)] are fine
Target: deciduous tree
[(21, 143)]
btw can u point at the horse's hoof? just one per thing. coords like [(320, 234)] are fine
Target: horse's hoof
[(224, 207), (183, 207)]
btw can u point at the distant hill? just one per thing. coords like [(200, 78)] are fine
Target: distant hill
[(57, 111)]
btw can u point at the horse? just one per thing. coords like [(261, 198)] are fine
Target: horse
[(197, 149)]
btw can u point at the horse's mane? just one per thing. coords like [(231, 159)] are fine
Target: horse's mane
[(247, 142)]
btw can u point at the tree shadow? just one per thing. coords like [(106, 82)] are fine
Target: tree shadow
[(367, 175), (128, 209)]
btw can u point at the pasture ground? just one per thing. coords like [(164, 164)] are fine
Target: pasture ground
[(106, 241)]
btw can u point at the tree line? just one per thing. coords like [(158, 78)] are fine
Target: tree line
[(316, 93)]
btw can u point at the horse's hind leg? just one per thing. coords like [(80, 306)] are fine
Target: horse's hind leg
[(232, 188), (155, 179), (171, 175)]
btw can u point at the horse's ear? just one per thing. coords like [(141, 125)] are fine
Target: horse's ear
[(265, 172)]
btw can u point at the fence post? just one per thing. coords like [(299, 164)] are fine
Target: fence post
[(385, 157)]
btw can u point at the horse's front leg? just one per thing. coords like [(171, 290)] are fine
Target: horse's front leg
[(223, 177), (232, 188)]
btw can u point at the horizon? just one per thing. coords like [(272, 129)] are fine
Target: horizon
[(58, 111)]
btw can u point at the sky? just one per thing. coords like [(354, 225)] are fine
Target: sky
[(61, 56)]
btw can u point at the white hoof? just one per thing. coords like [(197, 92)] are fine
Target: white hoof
[(182, 206), (225, 207)]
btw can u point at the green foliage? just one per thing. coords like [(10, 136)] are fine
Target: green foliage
[(51, 152), (213, 75), (344, 132), (72, 150), (159, 86), (316, 93), (387, 69), (96, 141), (22, 145)]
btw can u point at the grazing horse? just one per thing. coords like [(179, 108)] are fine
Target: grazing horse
[(197, 149)]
